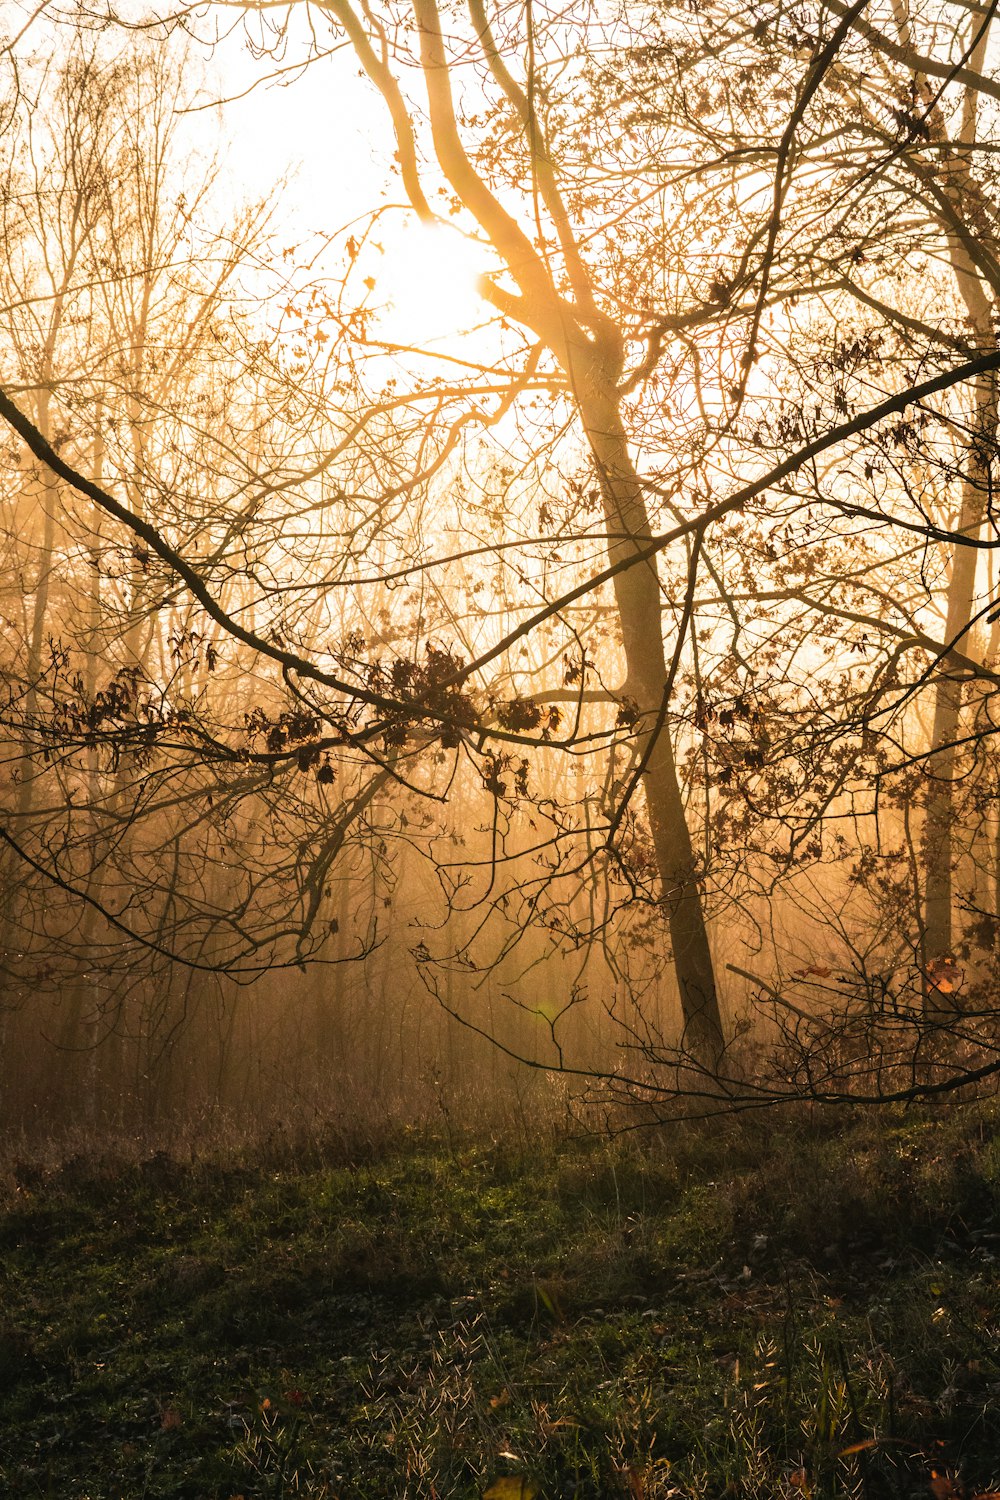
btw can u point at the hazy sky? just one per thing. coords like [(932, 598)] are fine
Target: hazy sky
[(321, 126), (325, 129)]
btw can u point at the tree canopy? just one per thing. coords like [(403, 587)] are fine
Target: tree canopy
[(634, 652)]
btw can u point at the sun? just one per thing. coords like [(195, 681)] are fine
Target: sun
[(428, 287)]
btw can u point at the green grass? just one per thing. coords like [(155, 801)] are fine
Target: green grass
[(798, 1308)]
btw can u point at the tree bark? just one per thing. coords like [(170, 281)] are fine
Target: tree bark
[(637, 594), (939, 844), (961, 202), (589, 348)]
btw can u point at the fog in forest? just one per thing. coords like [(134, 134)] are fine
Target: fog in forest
[(504, 623)]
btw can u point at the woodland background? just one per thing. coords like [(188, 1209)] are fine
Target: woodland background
[(610, 686)]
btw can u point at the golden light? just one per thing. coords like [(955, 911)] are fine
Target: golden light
[(427, 286)]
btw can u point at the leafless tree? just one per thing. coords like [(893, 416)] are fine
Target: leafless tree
[(701, 489)]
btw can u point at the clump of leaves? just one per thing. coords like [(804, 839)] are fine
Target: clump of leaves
[(426, 690), (519, 714)]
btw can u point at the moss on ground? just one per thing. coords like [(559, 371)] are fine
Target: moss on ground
[(801, 1307)]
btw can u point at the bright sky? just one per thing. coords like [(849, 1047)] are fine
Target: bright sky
[(325, 129), (322, 127)]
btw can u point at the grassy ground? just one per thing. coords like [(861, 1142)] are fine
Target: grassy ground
[(797, 1308)]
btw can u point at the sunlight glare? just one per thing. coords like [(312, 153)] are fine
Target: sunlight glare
[(428, 286)]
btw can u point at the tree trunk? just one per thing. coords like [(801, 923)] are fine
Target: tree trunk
[(637, 592), (963, 200), (939, 847), (589, 347)]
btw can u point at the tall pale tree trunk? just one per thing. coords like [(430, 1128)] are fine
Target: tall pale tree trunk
[(939, 827), (962, 206), (78, 1029), (637, 593), (589, 348)]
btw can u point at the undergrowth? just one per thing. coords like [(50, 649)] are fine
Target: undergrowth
[(797, 1307)]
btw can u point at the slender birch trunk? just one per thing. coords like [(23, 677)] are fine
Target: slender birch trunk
[(962, 200), (589, 348)]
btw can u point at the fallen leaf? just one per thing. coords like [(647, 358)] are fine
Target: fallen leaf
[(944, 975), (512, 1487), (549, 1298)]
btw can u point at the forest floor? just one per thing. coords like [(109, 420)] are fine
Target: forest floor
[(801, 1307)]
